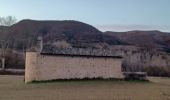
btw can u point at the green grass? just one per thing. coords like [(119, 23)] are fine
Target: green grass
[(14, 88)]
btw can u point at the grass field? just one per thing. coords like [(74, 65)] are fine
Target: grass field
[(14, 88)]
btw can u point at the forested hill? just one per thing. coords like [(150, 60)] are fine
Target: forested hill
[(77, 34), (148, 39), (73, 33)]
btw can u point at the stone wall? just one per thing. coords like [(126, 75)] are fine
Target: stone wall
[(49, 67)]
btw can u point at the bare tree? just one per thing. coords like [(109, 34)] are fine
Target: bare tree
[(7, 21), (4, 44), (4, 47)]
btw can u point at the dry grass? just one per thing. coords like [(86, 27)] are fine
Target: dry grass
[(13, 88)]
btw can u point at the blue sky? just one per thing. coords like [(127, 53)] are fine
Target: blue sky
[(112, 15)]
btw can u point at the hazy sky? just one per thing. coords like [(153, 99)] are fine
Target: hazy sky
[(115, 15)]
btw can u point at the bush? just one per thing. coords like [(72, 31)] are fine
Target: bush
[(157, 71), (14, 60)]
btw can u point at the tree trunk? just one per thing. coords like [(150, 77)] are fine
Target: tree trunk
[(3, 63)]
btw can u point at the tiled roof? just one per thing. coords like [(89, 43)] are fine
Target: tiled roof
[(52, 50)]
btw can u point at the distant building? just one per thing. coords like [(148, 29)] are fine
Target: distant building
[(52, 63)]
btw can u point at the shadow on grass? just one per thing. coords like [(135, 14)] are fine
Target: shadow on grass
[(7, 72), (89, 80)]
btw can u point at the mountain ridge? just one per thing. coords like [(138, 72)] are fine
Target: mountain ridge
[(148, 39), (74, 32)]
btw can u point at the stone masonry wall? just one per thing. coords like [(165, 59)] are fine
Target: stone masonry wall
[(49, 67)]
